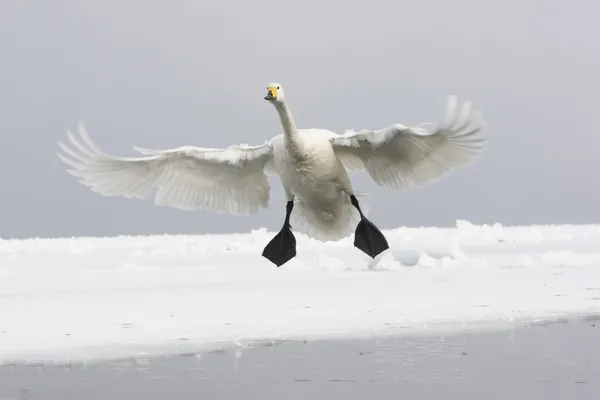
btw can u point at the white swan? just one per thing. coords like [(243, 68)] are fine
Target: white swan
[(312, 165)]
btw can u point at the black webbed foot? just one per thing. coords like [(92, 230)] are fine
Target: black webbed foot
[(367, 237), (282, 248)]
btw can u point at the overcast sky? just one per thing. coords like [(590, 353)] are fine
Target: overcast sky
[(161, 74)]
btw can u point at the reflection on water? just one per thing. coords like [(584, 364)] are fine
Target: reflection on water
[(551, 361)]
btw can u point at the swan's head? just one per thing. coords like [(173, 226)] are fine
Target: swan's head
[(274, 92)]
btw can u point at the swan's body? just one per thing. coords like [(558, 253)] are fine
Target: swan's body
[(317, 180), (312, 166)]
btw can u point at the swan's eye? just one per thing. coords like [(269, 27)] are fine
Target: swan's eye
[(277, 87)]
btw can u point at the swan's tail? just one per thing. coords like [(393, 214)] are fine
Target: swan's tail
[(328, 226)]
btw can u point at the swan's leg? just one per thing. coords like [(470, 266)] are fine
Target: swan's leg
[(282, 248), (367, 237)]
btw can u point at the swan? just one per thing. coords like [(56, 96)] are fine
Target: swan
[(312, 165)]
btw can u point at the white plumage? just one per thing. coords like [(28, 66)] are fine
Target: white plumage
[(191, 178), (312, 165)]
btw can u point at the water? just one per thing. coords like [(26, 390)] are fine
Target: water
[(554, 360)]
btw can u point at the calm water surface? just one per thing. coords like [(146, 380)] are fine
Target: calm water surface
[(555, 360)]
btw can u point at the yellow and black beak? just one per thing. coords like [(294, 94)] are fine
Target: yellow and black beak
[(271, 94)]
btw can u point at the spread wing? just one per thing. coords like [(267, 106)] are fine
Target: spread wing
[(191, 178), (399, 156)]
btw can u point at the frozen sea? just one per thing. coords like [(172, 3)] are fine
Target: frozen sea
[(548, 360), (467, 312)]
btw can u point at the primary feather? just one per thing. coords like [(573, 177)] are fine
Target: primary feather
[(188, 178), (399, 156)]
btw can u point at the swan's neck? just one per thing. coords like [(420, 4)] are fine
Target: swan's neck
[(289, 128)]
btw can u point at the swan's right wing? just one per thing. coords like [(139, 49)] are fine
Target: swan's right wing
[(190, 178)]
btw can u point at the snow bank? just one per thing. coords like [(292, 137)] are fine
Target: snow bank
[(95, 298)]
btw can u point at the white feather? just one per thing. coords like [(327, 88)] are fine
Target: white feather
[(399, 156), (328, 226), (189, 178)]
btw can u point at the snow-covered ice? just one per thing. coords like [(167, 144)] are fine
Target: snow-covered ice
[(95, 298)]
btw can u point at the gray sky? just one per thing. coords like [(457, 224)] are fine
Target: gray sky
[(162, 74)]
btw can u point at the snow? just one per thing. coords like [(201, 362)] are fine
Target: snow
[(86, 299)]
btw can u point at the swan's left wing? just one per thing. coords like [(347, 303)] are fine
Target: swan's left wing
[(230, 180), (399, 156)]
